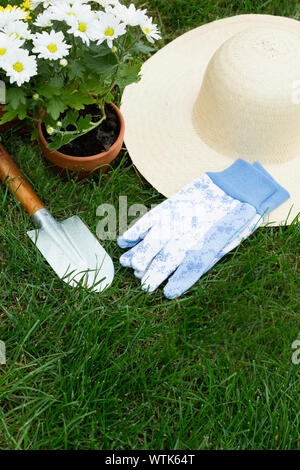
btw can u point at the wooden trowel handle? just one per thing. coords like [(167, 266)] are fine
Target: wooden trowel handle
[(17, 184)]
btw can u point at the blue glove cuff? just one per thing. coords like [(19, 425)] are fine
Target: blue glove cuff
[(251, 184)]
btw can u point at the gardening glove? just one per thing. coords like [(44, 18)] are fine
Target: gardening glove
[(238, 237), (193, 229), (195, 266)]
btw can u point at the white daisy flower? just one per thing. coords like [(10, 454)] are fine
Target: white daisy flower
[(50, 46), (44, 20), (150, 30), (84, 26), (9, 15), (130, 15), (109, 28), (20, 66), (18, 30), (7, 46), (64, 10), (36, 3)]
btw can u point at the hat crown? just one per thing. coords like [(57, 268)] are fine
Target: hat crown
[(249, 101)]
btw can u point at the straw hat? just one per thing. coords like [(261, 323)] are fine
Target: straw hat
[(229, 89)]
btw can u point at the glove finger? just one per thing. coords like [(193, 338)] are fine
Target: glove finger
[(137, 232), (147, 249), (186, 275), (125, 258), (228, 233), (240, 237), (139, 250), (139, 274), (164, 263), (255, 223)]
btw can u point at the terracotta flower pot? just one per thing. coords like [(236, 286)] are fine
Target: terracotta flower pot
[(7, 125), (84, 165)]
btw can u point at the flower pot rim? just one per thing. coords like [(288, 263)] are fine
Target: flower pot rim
[(65, 156)]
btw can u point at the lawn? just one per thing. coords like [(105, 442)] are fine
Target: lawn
[(126, 370)]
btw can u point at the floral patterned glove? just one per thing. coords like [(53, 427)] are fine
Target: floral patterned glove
[(189, 232)]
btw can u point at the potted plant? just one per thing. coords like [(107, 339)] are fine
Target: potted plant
[(64, 63)]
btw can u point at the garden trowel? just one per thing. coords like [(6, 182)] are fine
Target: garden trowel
[(69, 247)]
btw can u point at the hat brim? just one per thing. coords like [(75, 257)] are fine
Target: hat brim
[(160, 137)]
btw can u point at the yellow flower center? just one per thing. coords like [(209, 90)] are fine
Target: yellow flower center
[(2, 51), (71, 13), (18, 67), (52, 48), (109, 32), (82, 27), (147, 30)]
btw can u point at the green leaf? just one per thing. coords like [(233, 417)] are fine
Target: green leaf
[(15, 97), (141, 48), (94, 85), (77, 100), (48, 91), (56, 82), (55, 107), (101, 66), (70, 119), (9, 115), (76, 70), (128, 74), (84, 123), (22, 112), (59, 140), (99, 51)]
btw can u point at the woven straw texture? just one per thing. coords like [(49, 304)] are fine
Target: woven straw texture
[(229, 89)]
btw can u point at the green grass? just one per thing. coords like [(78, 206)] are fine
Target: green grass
[(125, 370), (178, 16)]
